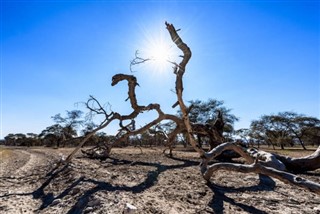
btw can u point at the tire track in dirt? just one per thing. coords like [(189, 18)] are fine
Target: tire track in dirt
[(22, 179)]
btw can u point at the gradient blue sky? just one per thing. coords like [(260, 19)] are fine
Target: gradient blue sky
[(260, 57)]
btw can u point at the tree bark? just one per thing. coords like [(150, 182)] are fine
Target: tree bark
[(269, 164), (303, 164), (179, 71), (269, 171)]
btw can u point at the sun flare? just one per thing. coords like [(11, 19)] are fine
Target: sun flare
[(161, 55), (160, 51)]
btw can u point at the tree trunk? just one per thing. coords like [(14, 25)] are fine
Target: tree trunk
[(302, 144), (269, 171), (265, 163), (303, 164)]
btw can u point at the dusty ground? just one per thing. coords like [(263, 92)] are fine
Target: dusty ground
[(150, 181)]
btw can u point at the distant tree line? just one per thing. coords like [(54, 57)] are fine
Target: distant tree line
[(66, 131), (284, 129)]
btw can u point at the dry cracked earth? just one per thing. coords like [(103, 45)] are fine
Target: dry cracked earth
[(150, 181)]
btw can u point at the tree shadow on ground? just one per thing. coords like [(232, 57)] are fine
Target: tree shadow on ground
[(151, 179), (48, 198), (39, 193), (219, 198)]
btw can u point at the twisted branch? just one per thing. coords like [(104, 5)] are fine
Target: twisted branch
[(179, 71), (286, 177)]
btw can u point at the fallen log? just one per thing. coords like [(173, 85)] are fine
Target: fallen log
[(265, 163), (256, 167), (302, 164)]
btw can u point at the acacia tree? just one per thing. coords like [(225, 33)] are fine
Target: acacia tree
[(312, 136), (69, 123), (64, 129), (284, 128), (257, 161), (10, 139), (244, 135), (18, 139), (207, 112), (298, 125), (211, 122), (259, 131), (52, 135)]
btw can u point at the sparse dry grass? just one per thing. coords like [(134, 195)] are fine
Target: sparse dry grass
[(296, 151), (4, 154)]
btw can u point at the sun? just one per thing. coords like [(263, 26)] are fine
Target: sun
[(160, 52)]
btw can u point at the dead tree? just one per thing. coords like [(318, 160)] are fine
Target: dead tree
[(264, 163), (256, 161), (271, 166)]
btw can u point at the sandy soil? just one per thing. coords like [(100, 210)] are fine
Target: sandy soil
[(150, 181)]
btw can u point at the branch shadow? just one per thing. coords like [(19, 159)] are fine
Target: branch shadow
[(47, 198), (151, 179), (265, 184), (39, 193)]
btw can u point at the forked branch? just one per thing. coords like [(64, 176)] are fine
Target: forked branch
[(179, 71), (137, 60)]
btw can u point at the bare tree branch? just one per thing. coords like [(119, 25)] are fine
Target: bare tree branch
[(179, 71), (268, 165), (269, 171), (137, 60)]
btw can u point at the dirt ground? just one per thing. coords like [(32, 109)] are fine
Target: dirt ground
[(150, 181)]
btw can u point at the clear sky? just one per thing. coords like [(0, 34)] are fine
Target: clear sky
[(259, 57)]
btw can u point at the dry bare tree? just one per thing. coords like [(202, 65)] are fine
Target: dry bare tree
[(261, 162)]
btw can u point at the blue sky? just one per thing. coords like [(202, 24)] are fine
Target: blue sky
[(259, 57)]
